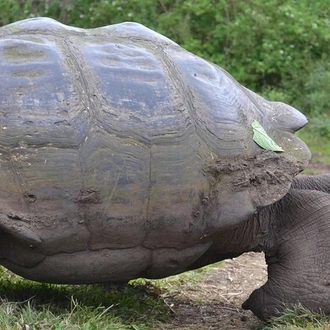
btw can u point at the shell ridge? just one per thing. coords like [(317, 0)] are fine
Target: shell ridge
[(182, 87), (74, 54)]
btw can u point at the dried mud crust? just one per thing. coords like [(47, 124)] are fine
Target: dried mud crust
[(215, 302), (267, 176)]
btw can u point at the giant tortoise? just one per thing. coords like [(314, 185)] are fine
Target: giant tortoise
[(124, 156)]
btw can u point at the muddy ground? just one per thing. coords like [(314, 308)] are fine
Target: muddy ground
[(215, 302)]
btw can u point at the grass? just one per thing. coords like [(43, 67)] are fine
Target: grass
[(29, 305), (297, 318), (137, 305)]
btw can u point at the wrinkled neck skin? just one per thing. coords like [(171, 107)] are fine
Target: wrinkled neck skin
[(282, 217), (258, 234), (253, 235), (319, 182)]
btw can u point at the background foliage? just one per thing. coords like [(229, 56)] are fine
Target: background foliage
[(278, 48)]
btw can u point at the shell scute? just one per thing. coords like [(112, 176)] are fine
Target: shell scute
[(37, 93), (136, 94)]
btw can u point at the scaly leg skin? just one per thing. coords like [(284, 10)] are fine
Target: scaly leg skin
[(297, 254)]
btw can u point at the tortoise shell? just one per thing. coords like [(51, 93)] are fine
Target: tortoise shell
[(122, 153)]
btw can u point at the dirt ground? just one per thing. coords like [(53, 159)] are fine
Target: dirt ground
[(215, 302)]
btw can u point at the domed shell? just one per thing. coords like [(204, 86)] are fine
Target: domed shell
[(121, 149)]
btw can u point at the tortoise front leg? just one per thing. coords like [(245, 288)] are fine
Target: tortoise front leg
[(297, 254)]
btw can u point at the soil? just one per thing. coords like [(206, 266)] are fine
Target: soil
[(215, 301)]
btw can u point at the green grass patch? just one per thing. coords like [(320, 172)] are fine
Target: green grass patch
[(192, 277), (137, 305), (31, 305), (297, 318)]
